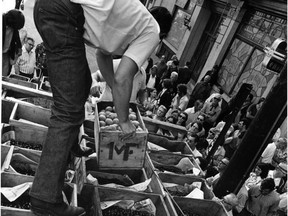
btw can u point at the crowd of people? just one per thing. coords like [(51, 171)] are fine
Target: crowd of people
[(159, 89), (18, 53), (203, 123)]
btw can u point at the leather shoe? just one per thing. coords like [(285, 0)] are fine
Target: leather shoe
[(81, 151), (41, 208)]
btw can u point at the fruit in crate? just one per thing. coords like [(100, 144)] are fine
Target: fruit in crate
[(109, 121)]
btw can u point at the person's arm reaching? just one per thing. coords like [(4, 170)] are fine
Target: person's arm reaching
[(121, 85), (122, 88)]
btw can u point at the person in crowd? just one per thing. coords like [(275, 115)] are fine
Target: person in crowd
[(211, 111), (213, 73), (173, 67), (280, 178), (201, 91), (212, 135), (200, 119), (170, 62), (192, 141), (244, 107), (280, 173), (19, 4), (229, 202), (26, 63), (269, 152), (194, 128), (65, 28), (41, 59), (12, 22), (150, 104), (194, 111), (160, 113), (254, 178), (253, 109), (182, 118), (174, 78), (149, 65), (161, 66), (138, 94), (165, 96), (184, 73), (262, 199), (152, 81), (170, 119), (175, 113), (180, 100), (212, 181)]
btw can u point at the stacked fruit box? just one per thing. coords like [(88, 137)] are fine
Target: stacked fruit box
[(111, 151)]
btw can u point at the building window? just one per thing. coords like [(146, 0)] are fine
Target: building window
[(243, 61)]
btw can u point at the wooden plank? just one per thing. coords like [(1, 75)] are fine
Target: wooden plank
[(7, 107), (153, 125), (8, 211), (6, 156), (20, 82), (25, 90)]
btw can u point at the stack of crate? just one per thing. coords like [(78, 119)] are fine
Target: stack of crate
[(25, 124)]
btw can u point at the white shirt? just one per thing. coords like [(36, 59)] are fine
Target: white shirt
[(151, 82), (27, 61), (268, 153), (120, 27)]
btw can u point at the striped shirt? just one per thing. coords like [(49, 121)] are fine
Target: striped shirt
[(26, 61)]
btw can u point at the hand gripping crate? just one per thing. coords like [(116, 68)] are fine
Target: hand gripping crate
[(113, 153)]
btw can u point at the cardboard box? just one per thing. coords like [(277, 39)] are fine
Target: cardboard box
[(113, 153)]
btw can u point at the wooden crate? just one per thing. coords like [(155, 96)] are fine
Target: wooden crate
[(20, 91), (160, 158), (19, 77), (182, 179), (30, 122), (111, 194), (112, 152), (43, 85), (201, 207), (12, 179), (20, 82), (157, 187)]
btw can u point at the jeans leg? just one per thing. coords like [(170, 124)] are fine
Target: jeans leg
[(60, 24)]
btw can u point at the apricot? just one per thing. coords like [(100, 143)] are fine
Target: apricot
[(109, 121), (102, 117)]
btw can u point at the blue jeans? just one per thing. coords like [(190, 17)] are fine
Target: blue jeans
[(60, 24)]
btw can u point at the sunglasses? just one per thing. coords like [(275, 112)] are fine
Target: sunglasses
[(200, 119), (183, 117)]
